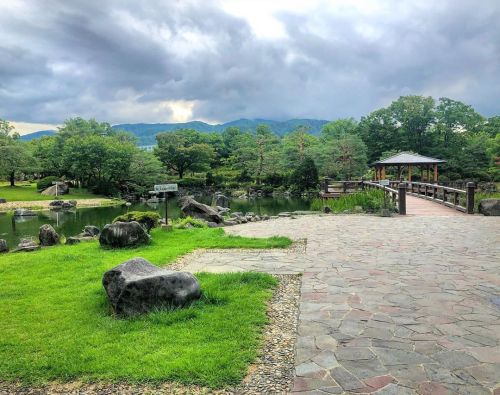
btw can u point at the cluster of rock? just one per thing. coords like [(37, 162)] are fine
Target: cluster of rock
[(240, 218), (62, 204), (194, 209), (89, 233), (136, 286)]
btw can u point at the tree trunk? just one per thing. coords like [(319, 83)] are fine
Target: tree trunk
[(12, 179), (181, 173)]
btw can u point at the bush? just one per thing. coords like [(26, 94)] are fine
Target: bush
[(104, 188), (46, 182), (188, 222), (148, 219), (305, 176), (192, 182), (370, 201)]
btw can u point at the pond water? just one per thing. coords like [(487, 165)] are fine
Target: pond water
[(70, 223)]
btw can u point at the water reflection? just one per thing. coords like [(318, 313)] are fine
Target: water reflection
[(69, 223)]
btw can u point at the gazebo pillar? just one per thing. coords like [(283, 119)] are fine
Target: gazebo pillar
[(428, 179), (382, 175), (435, 173), (409, 173), (399, 172)]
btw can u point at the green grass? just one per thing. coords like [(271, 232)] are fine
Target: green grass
[(27, 192), (56, 323), (370, 201)]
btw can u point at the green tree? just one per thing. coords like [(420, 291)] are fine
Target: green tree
[(339, 128), (15, 157), (184, 150), (305, 175), (344, 158), (415, 114), (145, 171), (296, 145)]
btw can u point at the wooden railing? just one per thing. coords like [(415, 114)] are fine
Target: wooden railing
[(396, 195), (459, 199)]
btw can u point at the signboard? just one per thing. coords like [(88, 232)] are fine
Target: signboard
[(166, 188), (384, 183)]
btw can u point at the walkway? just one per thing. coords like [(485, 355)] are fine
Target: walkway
[(423, 207), (401, 305)]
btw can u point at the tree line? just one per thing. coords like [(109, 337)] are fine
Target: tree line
[(107, 161)]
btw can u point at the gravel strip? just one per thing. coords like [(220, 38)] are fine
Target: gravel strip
[(271, 373)]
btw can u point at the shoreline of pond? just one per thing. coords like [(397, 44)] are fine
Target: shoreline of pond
[(41, 205)]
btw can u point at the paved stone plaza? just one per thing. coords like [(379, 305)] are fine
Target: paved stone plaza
[(401, 305)]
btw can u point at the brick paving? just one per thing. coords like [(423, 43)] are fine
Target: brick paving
[(401, 305)]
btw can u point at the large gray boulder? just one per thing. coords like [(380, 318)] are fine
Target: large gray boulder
[(48, 235), (26, 245), (62, 189), (194, 209), (489, 207), (90, 230), (136, 286), (3, 246), (123, 234), (220, 200)]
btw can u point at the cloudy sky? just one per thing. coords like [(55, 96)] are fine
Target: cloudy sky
[(165, 61)]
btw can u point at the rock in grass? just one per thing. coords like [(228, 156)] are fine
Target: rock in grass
[(48, 236), (136, 286), (3, 246), (78, 239), (90, 230), (26, 245), (124, 234), (489, 207), (2, 200)]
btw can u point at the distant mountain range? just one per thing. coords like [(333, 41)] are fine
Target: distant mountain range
[(146, 132)]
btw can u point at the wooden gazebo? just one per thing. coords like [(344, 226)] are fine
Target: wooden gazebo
[(409, 160)]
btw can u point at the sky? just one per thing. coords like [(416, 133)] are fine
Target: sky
[(129, 61)]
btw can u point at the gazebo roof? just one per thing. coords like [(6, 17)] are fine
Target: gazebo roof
[(407, 158)]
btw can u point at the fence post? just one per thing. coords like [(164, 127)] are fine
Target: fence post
[(402, 198), (470, 197), (362, 184), (325, 185)]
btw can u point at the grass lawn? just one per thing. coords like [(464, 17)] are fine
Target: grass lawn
[(28, 192), (56, 323)]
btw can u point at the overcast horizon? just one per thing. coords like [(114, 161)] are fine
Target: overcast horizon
[(217, 61)]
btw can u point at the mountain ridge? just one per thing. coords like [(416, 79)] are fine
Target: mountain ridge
[(146, 132)]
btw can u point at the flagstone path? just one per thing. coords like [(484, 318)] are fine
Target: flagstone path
[(401, 305)]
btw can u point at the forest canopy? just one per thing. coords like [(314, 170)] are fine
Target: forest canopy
[(108, 161)]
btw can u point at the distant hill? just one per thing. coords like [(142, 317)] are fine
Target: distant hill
[(36, 135), (146, 132)]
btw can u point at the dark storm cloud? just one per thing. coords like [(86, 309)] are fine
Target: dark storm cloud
[(119, 61)]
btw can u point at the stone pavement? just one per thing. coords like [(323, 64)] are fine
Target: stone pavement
[(401, 305)]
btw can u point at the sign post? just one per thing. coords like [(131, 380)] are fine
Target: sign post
[(165, 188)]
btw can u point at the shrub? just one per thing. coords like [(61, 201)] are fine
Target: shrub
[(148, 219), (104, 188), (188, 222), (46, 182), (370, 201), (305, 176), (192, 182)]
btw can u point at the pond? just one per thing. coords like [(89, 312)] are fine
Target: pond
[(70, 223)]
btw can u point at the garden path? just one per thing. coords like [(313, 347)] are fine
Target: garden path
[(401, 305)]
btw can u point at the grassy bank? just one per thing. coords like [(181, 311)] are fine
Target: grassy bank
[(56, 323), (366, 201), (28, 192)]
